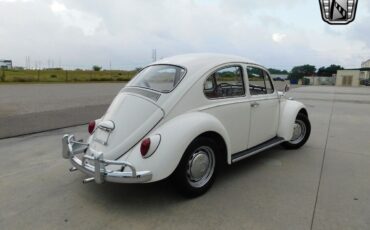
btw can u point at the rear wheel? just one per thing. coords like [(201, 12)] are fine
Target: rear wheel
[(195, 173), (301, 132)]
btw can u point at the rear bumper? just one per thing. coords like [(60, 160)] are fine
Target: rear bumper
[(98, 171)]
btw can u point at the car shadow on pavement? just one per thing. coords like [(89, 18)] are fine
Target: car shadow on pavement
[(163, 193)]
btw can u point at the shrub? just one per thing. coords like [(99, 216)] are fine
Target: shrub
[(96, 68)]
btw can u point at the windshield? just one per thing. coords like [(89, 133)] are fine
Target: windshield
[(162, 78)]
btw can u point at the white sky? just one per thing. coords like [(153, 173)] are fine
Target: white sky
[(79, 34)]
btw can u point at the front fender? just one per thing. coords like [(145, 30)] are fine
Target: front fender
[(289, 110), (176, 135)]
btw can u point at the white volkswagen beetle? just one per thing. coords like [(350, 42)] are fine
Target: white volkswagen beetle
[(184, 116)]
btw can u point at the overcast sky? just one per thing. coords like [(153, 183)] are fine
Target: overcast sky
[(274, 33)]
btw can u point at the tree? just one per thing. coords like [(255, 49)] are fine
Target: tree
[(298, 72), (277, 71), (329, 71), (96, 68)]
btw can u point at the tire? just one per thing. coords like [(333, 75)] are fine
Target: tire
[(196, 171), (300, 139)]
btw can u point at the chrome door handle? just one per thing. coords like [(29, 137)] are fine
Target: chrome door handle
[(254, 104)]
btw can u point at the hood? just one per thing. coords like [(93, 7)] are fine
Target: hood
[(133, 117)]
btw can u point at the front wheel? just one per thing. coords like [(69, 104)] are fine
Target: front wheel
[(195, 173), (301, 132)]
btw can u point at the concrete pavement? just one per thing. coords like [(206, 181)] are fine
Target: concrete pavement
[(323, 185)]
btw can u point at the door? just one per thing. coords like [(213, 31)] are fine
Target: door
[(264, 104), (347, 81), (226, 92)]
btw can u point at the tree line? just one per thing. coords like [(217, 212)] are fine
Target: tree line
[(298, 72)]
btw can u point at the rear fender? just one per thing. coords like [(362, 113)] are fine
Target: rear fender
[(176, 136)]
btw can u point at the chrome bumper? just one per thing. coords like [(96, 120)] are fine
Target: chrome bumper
[(98, 171)]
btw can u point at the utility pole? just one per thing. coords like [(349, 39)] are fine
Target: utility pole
[(154, 55), (28, 62)]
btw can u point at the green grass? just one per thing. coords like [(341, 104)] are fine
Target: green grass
[(64, 76)]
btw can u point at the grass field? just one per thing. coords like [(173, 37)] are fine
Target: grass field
[(64, 75)]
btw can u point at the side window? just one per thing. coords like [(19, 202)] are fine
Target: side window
[(269, 85), (256, 79), (226, 82)]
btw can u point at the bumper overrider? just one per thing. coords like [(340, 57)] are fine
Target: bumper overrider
[(97, 170)]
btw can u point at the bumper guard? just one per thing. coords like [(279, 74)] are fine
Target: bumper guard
[(98, 171)]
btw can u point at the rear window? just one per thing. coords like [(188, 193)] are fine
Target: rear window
[(161, 78)]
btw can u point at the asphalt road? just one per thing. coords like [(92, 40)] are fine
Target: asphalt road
[(20, 99), (323, 185), (30, 108)]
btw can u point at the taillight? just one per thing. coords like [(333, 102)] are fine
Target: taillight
[(145, 145), (91, 127)]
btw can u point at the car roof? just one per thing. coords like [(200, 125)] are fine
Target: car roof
[(198, 61)]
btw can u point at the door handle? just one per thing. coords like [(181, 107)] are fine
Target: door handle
[(254, 104)]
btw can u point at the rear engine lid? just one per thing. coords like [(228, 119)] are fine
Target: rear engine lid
[(128, 119)]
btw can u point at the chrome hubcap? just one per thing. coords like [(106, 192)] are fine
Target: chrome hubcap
[(200, 166), (299, 132)]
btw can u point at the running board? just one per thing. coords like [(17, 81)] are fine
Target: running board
[(256, 149)]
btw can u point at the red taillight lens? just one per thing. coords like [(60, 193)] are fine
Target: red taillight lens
[(145, 145), (91, 127)]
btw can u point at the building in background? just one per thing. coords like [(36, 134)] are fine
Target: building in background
[(318, 80), (365, 64), (6, 64), (352, 77)]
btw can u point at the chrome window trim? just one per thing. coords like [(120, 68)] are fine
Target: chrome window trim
[(182, 77), (265, 71), (223, 67)]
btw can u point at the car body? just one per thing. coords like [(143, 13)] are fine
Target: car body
[(225, 108)]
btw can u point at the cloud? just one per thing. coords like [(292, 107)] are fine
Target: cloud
[(88, 23), (57, 7), (16, 0), (278, 37)]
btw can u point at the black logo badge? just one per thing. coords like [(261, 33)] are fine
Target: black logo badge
[(338, 12)]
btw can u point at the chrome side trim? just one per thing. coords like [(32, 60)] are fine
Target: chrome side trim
[(252, 151)]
